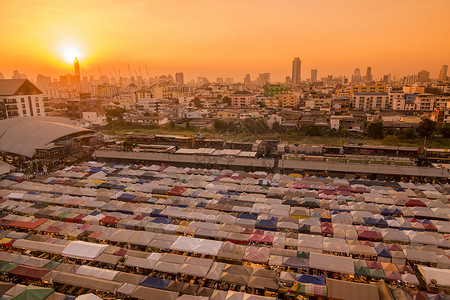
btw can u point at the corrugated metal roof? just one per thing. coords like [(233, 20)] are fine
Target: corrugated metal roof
[(23, 135)]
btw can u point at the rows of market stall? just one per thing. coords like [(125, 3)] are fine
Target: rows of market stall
[(195, 232)]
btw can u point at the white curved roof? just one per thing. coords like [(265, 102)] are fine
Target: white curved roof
[(22, 135)]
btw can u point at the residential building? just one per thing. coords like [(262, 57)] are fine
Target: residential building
[(227, 114), (370, 101), (106, 91), (95, 117), (75, 108), (288, 100), (242, 99), (397, 100), (21, 98)]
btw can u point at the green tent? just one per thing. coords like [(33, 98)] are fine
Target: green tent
[(303, 254), (33, 293), (377, 273), (363, 271), (51, 265), (6, 267)]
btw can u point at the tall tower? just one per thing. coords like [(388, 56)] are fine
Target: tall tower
[(313, 75), (369, 77), (356, 78), (76, 66), (296, 71), (179, 78), (443, 73)]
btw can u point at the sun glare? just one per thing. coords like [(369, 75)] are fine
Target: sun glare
[(69, 54)]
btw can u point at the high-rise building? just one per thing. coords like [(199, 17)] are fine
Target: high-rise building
[(443, 73), (423, 76), (76, 66), (369, 77), (356, 78), (264, 78), (296, 71), (313, 75), (179, 78), (247, 79), (220, 80)]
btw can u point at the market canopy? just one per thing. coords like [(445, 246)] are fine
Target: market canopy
[(331, 263), (83, 250)]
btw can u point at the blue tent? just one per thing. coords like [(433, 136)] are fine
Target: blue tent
[(266, 224), (381, 223), (155, 213), (161, 220), (154, 282), (305, 278), (126, 197), (118, 187), (247, 216), (370, 221), (383, 251)]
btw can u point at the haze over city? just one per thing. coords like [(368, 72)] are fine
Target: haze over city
[(225, 39)]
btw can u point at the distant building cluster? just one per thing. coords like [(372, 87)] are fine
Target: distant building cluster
[(328, 102)]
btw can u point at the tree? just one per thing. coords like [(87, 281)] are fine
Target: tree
[(276, 127), (197, 102), (115, 112), (147, 114), (172, 125), (390, 140), (426, 128), (408, 134), (310, 130), (220, 125), (375, 130), (188, 125), (445, 130), (226, 100)]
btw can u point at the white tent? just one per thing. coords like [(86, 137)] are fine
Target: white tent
[(331, 263), (83, 250)]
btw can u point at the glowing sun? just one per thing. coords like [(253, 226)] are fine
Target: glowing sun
[(69, 53)]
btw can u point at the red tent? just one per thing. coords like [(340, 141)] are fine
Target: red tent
[(176, 191), (110, 220), (369, 235), (414, 202), (29, 272), (27, 225)]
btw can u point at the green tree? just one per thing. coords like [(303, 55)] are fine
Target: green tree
[(426, 128), (172, 125), (390, 140), (188, 125), (445, 130), (220, 125), (375, 130), (276, 126), (197, 102), (408, 134), (310, 130), (115, 112), (226, 100), (147, 114)]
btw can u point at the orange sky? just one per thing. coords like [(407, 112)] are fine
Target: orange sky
[(226, 38)]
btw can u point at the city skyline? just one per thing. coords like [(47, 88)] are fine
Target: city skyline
[(230, 39)]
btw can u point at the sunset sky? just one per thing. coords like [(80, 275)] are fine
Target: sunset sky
[(225, 38)]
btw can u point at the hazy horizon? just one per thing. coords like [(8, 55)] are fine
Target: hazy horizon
[(225, 39)]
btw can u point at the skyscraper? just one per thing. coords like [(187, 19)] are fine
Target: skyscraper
[(179, 78), (313, 75), (443, 73), (76, 66), (247, 79), (356, 78), (369, 77), (423, 76), (296, 71)]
